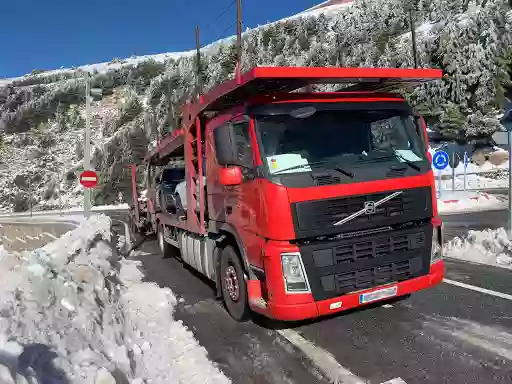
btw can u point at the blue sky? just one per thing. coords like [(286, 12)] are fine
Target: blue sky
[(48, 34)]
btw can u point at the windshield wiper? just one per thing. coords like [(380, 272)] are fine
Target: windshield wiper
[(390, 155), (407, 161), (317, 163)]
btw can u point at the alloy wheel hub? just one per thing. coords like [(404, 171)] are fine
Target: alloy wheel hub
[(232, 286)]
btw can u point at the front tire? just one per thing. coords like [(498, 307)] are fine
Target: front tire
[(234, 287), (165, 247)]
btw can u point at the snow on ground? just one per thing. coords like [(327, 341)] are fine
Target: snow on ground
[(491, 247), (465, 201), (74, 211), (74, 312), (324, 8), (471, 167), (475, 182)]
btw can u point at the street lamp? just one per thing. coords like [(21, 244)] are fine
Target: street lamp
[(90, 94)]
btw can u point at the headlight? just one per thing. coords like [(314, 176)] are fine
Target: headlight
[(294, 273), (437, 245)]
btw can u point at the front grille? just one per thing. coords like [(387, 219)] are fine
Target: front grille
[(317, 218), (396, 172), (378, 247), (347, 265), (327, 180), (373, 277)]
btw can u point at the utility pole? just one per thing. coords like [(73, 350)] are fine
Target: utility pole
[(29, 197), (198, 53), (238, 39), (413, 36), (87, 143)]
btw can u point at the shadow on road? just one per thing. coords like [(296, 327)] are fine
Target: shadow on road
[(36, 361)]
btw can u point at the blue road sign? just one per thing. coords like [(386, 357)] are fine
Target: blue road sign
[(440, 160), (506, 120)]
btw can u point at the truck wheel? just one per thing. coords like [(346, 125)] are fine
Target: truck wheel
[(133, 226), (164, 246), (234, 288)]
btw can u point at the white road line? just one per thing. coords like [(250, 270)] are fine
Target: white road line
[(50, 235), (322, 359), (21, 240), (478, 289), (31, 237), (7, 239)]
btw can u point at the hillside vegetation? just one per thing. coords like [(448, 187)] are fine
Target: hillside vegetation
[(42, 114)]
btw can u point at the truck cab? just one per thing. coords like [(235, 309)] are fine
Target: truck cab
[(316, 202)]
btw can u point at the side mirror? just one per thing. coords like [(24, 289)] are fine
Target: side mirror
[(225, 145), (230, 176)]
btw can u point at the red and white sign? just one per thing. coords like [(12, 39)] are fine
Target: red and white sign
[(89, 179)]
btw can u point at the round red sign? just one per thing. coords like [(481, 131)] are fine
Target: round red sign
[(89, 179)]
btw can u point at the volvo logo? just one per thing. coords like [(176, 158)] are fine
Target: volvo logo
[(370, 207)]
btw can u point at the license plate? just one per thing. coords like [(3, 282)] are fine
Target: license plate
[(378, 295)]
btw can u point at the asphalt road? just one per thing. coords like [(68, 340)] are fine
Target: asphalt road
[(447, 334)]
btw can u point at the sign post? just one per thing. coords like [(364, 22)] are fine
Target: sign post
[(466, 161), (453, 170), (88, 179), (440, 161), (506, 121)]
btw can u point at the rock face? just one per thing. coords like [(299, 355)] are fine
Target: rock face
[(44, 168)]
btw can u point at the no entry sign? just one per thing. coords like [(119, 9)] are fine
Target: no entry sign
[(89, 179)]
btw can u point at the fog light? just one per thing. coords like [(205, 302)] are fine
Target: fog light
[(294, 273)]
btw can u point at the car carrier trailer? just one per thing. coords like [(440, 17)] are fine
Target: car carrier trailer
[(307, 203)]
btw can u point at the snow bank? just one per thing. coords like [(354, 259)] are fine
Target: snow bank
[(74, 312), (477, 182), (461, 201), (491, 247)]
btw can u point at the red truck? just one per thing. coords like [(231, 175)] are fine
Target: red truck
[(301, 204)]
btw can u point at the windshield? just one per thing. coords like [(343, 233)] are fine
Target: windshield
[(343, 137)]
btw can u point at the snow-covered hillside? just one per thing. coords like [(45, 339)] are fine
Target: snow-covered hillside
[(470, 40)]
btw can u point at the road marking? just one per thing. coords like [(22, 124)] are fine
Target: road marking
[(478, 289), (322, 359), (7, 239), (32, 238), (50, 235), (21, 240), (397, 380)]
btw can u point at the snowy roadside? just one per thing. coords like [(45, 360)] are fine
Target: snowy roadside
[(73, 311), (460, 202), (77, 212), (491, 247)]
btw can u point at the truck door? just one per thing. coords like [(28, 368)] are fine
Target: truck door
[(241, 203)]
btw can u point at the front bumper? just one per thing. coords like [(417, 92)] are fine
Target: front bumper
[(305, 306)]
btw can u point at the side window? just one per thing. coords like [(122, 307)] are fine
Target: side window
[(243, 143)]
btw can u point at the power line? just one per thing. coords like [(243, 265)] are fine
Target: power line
[(225, 30), (220, 14)]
